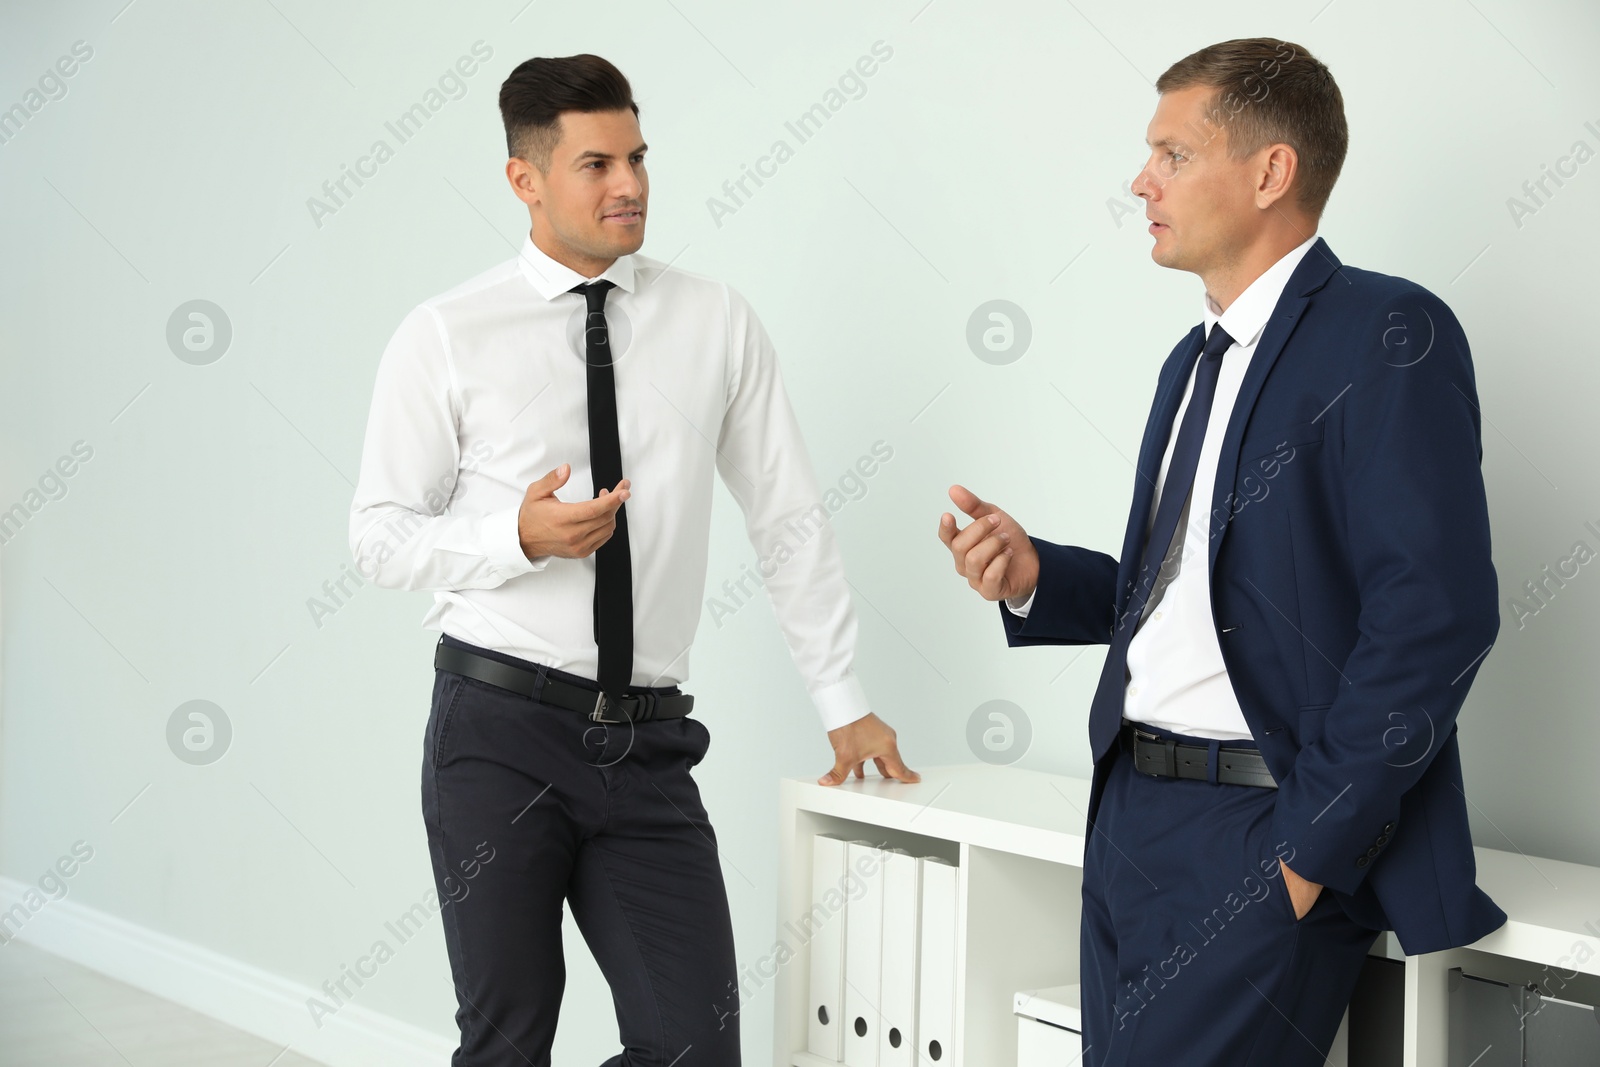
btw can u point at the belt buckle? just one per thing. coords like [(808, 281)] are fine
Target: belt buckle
[(1169, 755), (646, 710), (600, 704)]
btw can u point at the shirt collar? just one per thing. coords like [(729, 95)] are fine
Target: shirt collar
[(550, 279), (1251, 309)]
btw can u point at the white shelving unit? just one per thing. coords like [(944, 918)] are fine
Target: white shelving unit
[(1017, 836)]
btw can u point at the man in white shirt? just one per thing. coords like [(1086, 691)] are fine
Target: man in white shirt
[(558, 751), (1305, 588)]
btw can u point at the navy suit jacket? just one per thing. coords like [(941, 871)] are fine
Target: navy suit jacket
[(1351, 587)]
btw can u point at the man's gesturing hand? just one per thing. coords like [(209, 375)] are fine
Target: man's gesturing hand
[(869, 737), (550, 527), (993, 553)]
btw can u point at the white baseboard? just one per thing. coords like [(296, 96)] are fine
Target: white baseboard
[(242, 996)]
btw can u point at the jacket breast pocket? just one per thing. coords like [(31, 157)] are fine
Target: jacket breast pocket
[(1281, 444)]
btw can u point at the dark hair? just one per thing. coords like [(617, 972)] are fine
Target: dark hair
[(540, 89), (1269, 91)]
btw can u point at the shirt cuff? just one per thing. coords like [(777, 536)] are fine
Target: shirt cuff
[(841, 703), (1021, 610), (503, 546)]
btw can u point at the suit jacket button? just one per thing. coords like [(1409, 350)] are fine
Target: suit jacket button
[(1361, 861), (1388, 827), (1383, 839), (1373, 851)]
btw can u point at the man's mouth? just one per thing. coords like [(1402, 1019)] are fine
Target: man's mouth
[(627, 217)]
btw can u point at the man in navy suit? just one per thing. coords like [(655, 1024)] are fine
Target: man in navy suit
[(1303, 597)]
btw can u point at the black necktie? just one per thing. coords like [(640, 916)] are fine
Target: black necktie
[(613, 565), (1105, 713)]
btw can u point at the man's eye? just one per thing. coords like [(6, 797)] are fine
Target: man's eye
[(1175, 156)]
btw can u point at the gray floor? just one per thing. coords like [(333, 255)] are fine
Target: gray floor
[(54, 1013)]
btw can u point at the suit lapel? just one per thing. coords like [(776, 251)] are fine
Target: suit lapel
[(1311, 274), (1163, 411)]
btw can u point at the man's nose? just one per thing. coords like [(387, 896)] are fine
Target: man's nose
[(628, 186)]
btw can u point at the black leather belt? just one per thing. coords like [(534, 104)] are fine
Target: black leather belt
[(1170, 758), (541, 685)]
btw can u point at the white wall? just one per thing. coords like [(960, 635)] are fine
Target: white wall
[(978, 164)]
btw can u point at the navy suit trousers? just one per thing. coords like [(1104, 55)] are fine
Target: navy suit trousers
[(1190, 950), (529, 807)]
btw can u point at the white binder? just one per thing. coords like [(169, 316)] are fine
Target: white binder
[(902, 906), (825, 923), (936, 974), (863, 955)]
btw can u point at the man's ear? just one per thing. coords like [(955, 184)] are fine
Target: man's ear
[(526, 180), (1280, 168)]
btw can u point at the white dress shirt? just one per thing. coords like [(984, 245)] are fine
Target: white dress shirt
[(1176, 676), (482, 390)]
